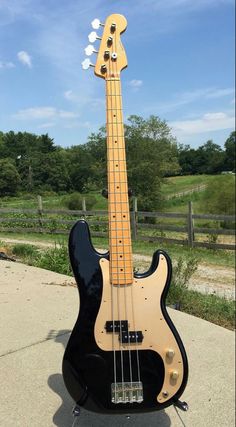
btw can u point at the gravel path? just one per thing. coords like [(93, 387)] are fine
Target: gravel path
[(209, 278)]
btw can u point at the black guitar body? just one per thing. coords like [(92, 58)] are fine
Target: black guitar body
[(88, 370)]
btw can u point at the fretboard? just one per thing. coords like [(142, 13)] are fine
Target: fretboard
[(121, 265)]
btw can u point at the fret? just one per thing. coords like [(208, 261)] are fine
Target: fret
[(112, 149), (115, 136)]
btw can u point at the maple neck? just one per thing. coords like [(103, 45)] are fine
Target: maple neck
[(121, 267)]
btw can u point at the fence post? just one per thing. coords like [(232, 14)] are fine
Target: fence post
[(190, 225), (83, 204), (40, 210), (134, 218)]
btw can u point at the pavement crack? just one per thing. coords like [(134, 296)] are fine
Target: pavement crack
[(33, 344)]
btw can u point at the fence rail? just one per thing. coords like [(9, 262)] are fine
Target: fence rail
[(51, 221)]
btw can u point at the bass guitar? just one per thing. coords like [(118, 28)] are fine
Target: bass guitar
[(124, 354)]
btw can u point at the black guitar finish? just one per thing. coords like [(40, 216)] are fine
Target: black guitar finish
[(88, 370)]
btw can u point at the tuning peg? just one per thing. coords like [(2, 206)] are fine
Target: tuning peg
[(93, 37), (96, 24), (89, 50), (86, 64)]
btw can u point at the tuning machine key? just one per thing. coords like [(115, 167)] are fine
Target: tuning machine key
[(86, 64), (96, 24), (93, 37), (89, 50)]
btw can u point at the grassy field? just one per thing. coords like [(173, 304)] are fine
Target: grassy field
[(170, 186), (177, 184)]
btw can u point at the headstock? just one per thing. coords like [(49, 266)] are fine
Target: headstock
[(111, 56)]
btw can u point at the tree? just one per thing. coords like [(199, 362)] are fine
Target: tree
[(151, 155), (81, 167), (208, 158), (229, 163), (54, 174), (9, 178)]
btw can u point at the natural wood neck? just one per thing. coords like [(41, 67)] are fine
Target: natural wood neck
[(121, 267)]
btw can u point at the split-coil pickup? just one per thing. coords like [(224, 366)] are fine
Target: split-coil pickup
[(125, 336)]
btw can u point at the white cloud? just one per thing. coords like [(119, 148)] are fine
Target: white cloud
[(46, 125), (6, 64), (67, 114), (24, 58), (70, 96), (188, 97), (135, 83), (38, 113), (209, 122)]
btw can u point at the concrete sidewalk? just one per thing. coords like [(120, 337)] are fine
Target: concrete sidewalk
[(39, 308)]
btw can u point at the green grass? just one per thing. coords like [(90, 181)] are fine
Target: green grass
[(170, 186), (177, 184), (208, 307), (27, 201), (208, 256)]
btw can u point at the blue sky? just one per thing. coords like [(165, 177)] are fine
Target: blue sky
[(180, 67)]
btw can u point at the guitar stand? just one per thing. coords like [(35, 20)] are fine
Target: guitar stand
[(76, 414), (181, 405)]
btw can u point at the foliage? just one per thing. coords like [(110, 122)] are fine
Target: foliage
[(230, 151), (9, 178), (183, 270), (219, 196), (208, 158), (209, 307), (24, 250), (74, 201), (55, 259), (152, 154)]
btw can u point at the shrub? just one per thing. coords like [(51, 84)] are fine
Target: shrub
[(24, 250), (90, 200), (55, 259), (219, 197), (74, 201)]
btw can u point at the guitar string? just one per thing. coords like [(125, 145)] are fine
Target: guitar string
[(126, 285), (127, 205), (110, 247), (119, 234), (122, 288), (111, 71)]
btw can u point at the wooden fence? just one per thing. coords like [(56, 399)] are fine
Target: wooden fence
[(177, 228)]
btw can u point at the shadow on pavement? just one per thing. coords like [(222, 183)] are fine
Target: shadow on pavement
[(63, 416)]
